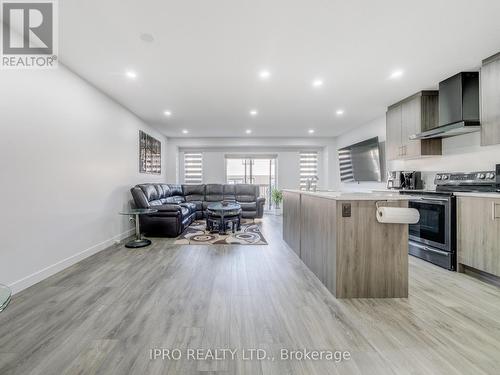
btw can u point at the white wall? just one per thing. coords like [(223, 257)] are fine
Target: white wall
[(215, 149), (68, 157), (462, 153)]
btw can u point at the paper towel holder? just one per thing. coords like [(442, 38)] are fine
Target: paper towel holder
[(379, 215)]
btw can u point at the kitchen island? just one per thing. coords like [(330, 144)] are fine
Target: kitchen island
[(339, 239)]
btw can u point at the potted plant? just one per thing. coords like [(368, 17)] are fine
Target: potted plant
[(277, 198)]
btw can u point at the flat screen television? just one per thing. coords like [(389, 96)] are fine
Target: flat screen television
[(360, 162)]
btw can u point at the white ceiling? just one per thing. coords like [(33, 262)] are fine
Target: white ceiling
[(204, 61)]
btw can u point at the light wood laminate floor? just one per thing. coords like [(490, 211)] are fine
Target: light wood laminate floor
[(104, 314)]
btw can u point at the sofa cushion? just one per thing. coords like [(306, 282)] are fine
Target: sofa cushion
[(185, 211), (166, 191), (159, 190), (214, 193), (149, 191), (247, 192), (229, 192), (175, 189), (194, 192), (139, 197), (198, 204), (190, 206), (156, 202), (175, 199)]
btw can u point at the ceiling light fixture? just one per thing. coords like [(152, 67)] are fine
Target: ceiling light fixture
[(311, 131), (396, 74), (264, 74), (131, 74), (167, 113), (339, 112), (254, 112), (146, 37), (185, 131), (248, 131), (317, 83)]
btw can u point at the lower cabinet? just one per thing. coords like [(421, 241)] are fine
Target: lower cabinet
[(317, 237), (478, 233)]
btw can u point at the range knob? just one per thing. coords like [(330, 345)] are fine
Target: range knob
[(490, 175), (438, 177), (481, 176), (445, 177)]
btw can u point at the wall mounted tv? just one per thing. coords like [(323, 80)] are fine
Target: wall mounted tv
[(360, 162)]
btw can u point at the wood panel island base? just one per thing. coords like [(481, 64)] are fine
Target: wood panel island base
[(338, 237)]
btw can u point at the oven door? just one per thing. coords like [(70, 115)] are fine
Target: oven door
[(434, 226)]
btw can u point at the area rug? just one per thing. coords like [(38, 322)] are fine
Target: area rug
[(196, 234)]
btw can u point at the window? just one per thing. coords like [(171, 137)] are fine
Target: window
[(193, 167), (308, 168)]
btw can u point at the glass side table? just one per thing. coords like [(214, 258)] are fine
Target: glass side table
[(138, 241), (5, 295)]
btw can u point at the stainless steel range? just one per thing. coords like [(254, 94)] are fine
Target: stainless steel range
[(434, 237)]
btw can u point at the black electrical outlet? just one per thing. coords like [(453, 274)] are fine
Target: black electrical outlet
[(346, 210)]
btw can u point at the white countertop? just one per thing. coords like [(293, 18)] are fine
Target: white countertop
[(353, 196), (478, 195)]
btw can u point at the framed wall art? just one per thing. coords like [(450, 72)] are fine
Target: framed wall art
[(149, 154)]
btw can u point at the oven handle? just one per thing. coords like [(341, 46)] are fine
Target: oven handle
[(433, 199), (426, 248)]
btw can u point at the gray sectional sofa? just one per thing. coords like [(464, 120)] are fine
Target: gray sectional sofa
[(179, 205)]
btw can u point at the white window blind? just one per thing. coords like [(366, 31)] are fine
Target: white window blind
[(193, 167), (308, 168)]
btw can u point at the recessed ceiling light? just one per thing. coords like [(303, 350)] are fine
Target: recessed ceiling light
[(254, 112), (339, 112), (264, 74), (131, 74), (396, 74), (311, 131), (248, 131), (167, 113), (185, 131), (146, 37), (317, 83)]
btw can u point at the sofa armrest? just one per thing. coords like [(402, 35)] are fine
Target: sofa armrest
[(260, 207), (167, 208)]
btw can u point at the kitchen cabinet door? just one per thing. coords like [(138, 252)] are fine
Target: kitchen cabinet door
[(393, 144), (411, 125), (490, 101), (478, 233)]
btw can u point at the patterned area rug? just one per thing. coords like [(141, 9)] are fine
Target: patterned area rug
[(196, 234)]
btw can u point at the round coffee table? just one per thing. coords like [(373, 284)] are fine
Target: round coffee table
[(138, 241), (221, 214), (5, 294)]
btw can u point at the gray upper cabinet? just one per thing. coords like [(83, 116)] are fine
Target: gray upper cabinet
[(393, 140), (410, 116), (490, 101)]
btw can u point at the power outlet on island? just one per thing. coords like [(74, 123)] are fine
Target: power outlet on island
[(346, 210)]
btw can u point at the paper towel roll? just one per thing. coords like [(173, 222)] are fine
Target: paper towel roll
[(397, 215)]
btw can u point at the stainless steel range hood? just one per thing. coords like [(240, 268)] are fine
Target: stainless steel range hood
[(451, 130), (458, 107)]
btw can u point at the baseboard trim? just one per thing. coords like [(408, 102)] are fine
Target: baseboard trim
[(38, 276)]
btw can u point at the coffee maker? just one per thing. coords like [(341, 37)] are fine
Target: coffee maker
[(404, 180)]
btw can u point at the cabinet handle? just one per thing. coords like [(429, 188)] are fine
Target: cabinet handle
[(495, 214)]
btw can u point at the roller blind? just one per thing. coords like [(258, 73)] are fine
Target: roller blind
[(193, 167), (308, 167)]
